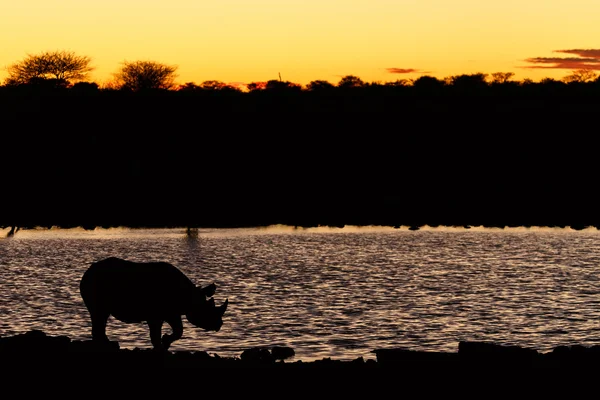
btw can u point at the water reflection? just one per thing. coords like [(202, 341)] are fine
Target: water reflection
[(332, 292)]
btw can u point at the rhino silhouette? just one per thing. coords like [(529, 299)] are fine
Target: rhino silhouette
[(151, 292)]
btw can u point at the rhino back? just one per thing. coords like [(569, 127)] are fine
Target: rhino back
[(134, 292)]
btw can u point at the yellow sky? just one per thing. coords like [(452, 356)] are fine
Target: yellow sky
[(304, 40)]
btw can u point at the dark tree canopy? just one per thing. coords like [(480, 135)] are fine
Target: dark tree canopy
[(427, 84), (213, 85), (63, 66), (320, 85), (144, 75), (282, 85), (254, 86), (349, 81), (122, 155)]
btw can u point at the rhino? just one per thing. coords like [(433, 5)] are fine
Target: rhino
[(151, 292)]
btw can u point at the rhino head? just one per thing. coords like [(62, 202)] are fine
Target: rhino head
[(203, 312)]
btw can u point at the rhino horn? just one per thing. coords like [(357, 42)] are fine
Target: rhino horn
[(224, 306)]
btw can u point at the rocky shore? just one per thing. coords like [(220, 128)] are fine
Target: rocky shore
[(36, 348)]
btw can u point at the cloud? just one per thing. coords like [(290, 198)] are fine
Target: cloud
[(592, 53), (587, 59), (404, 70)]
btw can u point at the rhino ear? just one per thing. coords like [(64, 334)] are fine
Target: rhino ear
[(209, 290)]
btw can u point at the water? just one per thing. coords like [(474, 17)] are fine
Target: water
[(326, 292)]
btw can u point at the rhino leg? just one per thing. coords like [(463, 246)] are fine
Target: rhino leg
[(177, 328), (99, 320), (155, 331)]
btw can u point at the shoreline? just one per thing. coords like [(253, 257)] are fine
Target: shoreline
[(36, 348)]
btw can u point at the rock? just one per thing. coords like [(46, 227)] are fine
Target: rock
[(282, 352), (257, 355)]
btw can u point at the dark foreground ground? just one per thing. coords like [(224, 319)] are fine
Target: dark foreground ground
[(38, 350)]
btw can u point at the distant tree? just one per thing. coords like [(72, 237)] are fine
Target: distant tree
[(399, 82), (319, 85), (282, 85), (428, 84), (467, 84), (213, 85), (59, 66), (551, 81), (551, 86), (42, 83), (85, 87), (254, 86), (189, 87), (527, 82), (145, 75), (501, 77), (110, 84), (468, 81), (219, 86), (580, 75), (350, 81)]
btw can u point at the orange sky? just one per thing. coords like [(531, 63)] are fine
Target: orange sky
[(306, 40)]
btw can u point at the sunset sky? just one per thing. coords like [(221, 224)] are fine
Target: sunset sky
[(304, 40)]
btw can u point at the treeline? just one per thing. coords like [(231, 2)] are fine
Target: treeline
[(459, 151), (472, 94)]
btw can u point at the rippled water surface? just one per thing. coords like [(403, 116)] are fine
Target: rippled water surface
[(338, 293)]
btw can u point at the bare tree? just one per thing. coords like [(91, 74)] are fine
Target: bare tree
[(502, 77), (60, 65), (143, 75), (580, 75)]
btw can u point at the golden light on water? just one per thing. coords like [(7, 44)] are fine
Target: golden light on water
[(99, 232), (328, 292)]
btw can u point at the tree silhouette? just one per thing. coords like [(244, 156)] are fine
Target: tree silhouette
[(85, 88), (189, 87), (527, 82), (213, 85), (502, 77), (550, 82), (254, 86), (515, 116), (427, 84), (282, 85), (319, 85), (145, 75), (580, 75), (470, 81), (59, 66), (350, 81), (398, 82)]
